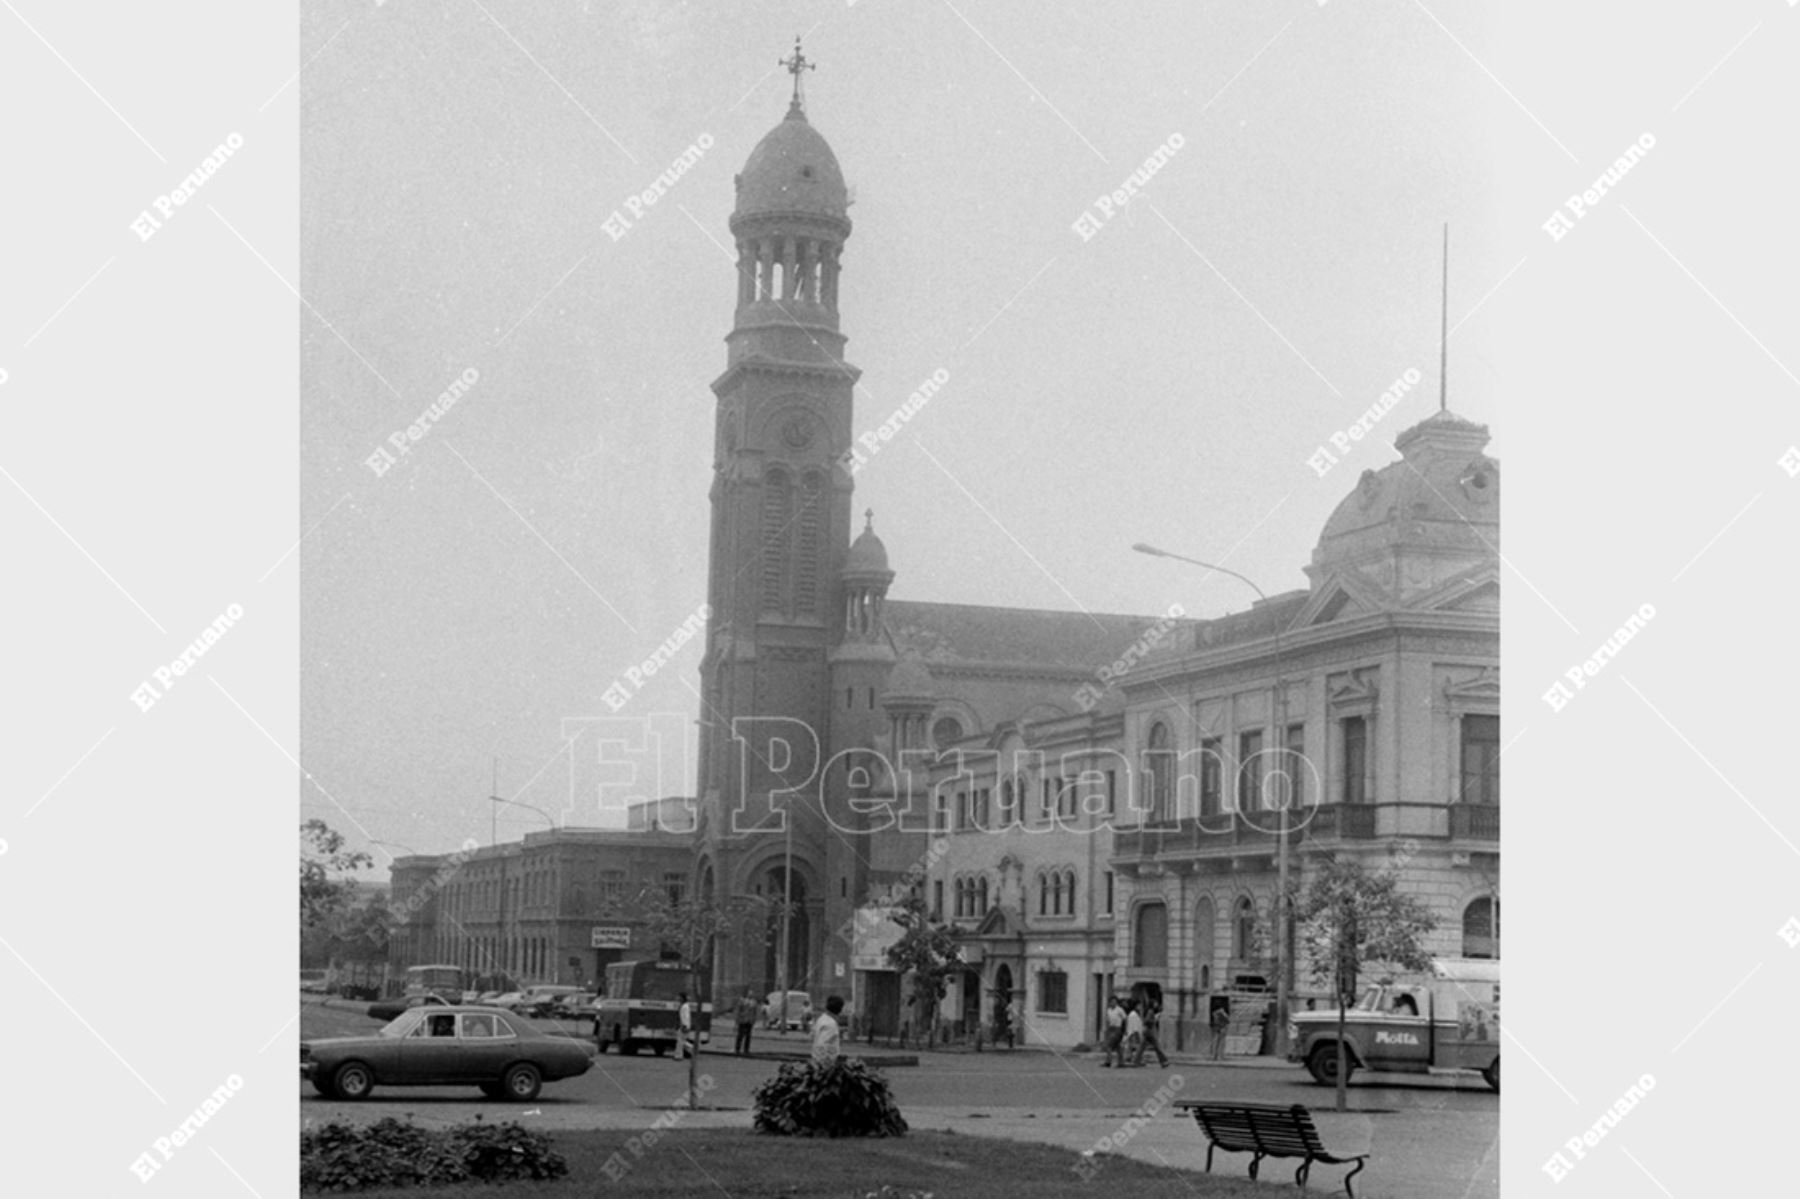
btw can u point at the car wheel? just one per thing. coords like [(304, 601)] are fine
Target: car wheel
[(352, 1081), (522, 1082), (1492, 1075), (1322, 1064)]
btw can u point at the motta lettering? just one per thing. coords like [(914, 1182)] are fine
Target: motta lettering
[(1396, 1038)]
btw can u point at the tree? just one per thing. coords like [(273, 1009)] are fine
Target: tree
[(1351, 918), (926, 952), (322, 855)]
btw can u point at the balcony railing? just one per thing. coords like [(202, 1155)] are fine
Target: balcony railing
[(1475, 821), (1321, 824)]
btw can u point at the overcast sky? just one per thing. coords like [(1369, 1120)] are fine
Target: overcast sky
[(1164, 381)]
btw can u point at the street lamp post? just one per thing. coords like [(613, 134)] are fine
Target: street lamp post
[(1278, 712), (787, 909)]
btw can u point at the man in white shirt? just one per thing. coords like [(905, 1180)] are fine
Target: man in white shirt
[(1134, 1036), (1115, 1032), (684, 1036), (827, 1043)]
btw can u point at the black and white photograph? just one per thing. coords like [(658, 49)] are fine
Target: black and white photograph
[(900, 599)]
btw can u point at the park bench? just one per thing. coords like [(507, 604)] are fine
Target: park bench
[(1267, 1130)]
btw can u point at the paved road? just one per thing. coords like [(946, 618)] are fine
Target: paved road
[(981, 1083), (1430, 1136)]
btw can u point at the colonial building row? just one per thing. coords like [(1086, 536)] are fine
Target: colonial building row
[(555, 907)]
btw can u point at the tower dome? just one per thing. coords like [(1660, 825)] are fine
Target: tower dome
[(867, 556), (792, 172)]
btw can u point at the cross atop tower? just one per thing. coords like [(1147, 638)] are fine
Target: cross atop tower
[(795, 65)]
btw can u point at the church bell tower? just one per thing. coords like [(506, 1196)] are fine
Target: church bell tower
[(781, 524)]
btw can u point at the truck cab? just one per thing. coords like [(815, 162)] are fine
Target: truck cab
[(1445, 1020)]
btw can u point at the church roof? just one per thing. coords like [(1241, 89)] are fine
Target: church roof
[(952, 634), (792, 171)]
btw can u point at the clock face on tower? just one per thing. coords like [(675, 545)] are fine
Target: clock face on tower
[(797, 431)]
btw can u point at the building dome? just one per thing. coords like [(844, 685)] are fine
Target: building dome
[(867, 555), (792, 172), (1415, 522)]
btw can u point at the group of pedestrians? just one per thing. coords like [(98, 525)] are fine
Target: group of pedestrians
[(827, 1029), (1131, 1028)]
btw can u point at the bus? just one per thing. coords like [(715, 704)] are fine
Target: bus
[(446, 982), (640, 1008)]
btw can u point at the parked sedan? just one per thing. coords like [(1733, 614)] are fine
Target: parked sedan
[(387, 1009), (504, 1054)]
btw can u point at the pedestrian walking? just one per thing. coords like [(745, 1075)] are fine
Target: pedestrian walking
[(1134, 1035), (747, 1013), (1115, 1032), (1003, 1029), (827, 1037), (1149, 1038), (1221, 1021), (684, 1029)]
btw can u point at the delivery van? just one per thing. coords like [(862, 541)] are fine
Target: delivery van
[(1443, 1021)]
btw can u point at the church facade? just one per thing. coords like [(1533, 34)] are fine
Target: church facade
[(1084, 829)]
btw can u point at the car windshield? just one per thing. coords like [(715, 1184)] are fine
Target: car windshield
[(403, 1024)]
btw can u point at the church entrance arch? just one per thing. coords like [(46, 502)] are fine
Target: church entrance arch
[(774, 886)]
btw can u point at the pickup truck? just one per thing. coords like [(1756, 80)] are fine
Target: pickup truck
[(1443, 1021)]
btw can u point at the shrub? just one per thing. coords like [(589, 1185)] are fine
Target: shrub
[(389, 1153), (848, 1098), (504, 1152)]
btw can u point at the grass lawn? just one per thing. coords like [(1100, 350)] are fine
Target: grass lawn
[(747, 1165)]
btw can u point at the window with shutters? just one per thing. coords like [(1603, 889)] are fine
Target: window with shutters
[(811, 536), (776, 535)]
